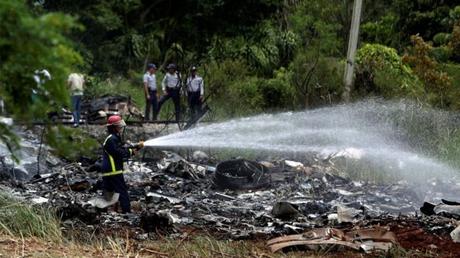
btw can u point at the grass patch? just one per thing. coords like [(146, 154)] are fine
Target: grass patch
[(20, 219)]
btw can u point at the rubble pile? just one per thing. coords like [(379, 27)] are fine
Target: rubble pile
[(31, 159), (177, 192), (96, 110)]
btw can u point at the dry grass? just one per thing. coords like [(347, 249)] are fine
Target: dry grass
[(20, 219), (188, 246)]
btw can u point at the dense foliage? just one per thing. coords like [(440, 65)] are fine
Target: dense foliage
[(30, 43), (255, 56), (267, 54)]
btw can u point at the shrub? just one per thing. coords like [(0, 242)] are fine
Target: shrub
[(382, 31), (441, 39), (441, 54), (277, 92), (316, 79), (436, 82), (454, 43), (380, 70)]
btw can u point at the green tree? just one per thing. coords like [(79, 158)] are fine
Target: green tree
[(436, 82)]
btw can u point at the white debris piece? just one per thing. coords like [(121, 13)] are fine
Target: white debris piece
[(267, 164), (346, 214), (103, 202), (450, 209), (39, 200), (200, 155), (344, 192), (455, 234), (352, 153), (294, 164), (6, 120), (333, 216), (170, 199)]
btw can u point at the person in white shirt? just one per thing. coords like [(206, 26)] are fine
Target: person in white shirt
[(195, 92), (171, 89), (76, 82), (150, 90)]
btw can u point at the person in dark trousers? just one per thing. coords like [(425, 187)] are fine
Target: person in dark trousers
[(150, 90), (171, 89), (76, 82), (195, 93), (112, 161)]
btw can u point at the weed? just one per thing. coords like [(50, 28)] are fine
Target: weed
[(20, 219)]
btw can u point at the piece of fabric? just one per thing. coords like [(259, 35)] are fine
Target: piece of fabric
[(174, 94), (117, 184), (76, 108), (76, 82), (151, 105), (195, 84), (150, 80), (170, 81)]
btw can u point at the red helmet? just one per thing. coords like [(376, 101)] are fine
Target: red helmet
[(115, 120)]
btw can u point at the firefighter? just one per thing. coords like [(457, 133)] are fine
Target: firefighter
[(115, 153)]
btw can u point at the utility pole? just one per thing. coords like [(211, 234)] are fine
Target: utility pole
[(352, 45)]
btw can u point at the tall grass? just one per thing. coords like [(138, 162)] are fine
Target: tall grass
[(20, 219)]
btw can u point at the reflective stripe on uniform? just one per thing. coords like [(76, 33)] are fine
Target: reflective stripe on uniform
[(113, 173), (112, 162)]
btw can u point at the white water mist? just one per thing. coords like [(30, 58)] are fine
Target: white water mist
[(369, 131)]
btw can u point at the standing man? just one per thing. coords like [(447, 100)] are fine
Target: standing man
[(150, 90), (171, 89), (76, 82), (195, 93), (112, 161)]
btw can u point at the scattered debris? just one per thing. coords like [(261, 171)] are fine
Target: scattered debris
[(455, 234), (96, 110), (107, 200), (285, 210), (238, 199), (241, 174), (447, 209), (346, 214), (367, 240)]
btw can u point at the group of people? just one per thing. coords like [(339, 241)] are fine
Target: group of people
[(171, 86), (115, 152)]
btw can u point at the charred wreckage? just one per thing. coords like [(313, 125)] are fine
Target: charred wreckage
[(290, 204)]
